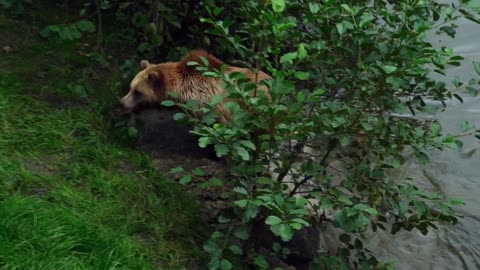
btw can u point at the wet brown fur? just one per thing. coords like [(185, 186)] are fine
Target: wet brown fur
[(155, 81)]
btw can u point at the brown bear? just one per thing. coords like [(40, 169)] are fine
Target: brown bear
[(156, 81)]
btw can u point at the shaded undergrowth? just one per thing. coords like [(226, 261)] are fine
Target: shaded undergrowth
[(73, 194)]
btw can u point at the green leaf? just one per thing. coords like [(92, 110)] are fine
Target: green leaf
[(361, 206), (54, 28), (211, 247), (66, 34), (214, 263), (168, 103), (225, 264), (186, 179), (457, 202), (458, 97), (235, 250), (422, 158), (344, 140), (264, 181), (204, 61), (302, 52), (301, 96), (343, 26), (476, 65), (217, 100), (319, 92), (288, 57), (389, 69), (221, 150), (251, 211), (301, 221), (198, 172), (248, 144), (466, 126), (241, 203), (213, 182), (211, 74), (448, 30), (173, 94), (204, 141), (346, 7), (420, 207), (273, 220), (314, 7), (296, 226), (278, 5), (366, 18), (192, 63), (345, 200), (241, 233), (217, 11), (132, 132), (240, 190), (367, 126), (176, 170), (179, 116), (472, 91), (397, 161), (261, 262), (435, 129), (242, 153), (470, 16), (402, 207), (302, 75), (86, 26), (286, 232), (371, 211)]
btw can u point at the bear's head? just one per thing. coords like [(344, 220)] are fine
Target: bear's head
[(147, 87)]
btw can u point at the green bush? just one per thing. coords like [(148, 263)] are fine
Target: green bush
[(350, 77)]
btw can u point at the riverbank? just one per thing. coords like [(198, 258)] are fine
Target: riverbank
[(74, 193)]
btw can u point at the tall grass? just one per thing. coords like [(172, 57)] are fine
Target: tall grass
[(71, 195)]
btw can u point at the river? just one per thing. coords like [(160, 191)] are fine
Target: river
[(456, 174)]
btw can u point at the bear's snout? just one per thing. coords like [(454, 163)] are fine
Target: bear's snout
[(126, 102)]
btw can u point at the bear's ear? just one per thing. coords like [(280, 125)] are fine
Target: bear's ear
[(144, 64)]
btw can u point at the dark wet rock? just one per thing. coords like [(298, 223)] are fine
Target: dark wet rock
[(303, 246), (39, 191), (172, 145), (163, 136), (44, 168)]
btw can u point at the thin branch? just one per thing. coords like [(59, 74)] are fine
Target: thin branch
[(332, 145)]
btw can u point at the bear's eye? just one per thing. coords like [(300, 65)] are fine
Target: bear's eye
[(136, 94)]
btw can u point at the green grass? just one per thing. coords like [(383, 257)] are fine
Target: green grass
[(72, 194)]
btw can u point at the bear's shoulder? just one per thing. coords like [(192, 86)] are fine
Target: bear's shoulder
[(196, 56)]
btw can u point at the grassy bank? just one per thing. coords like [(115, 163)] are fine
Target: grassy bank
[(73, 194)]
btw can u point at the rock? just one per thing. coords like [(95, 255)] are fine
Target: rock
[(303, 246), (7, 49)]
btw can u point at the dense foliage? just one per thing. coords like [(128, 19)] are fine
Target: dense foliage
[(351, 82)]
